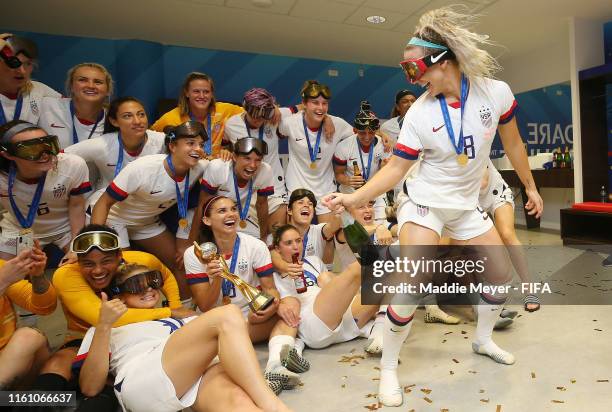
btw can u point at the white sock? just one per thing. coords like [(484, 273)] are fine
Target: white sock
[(299, 346), (395, 331), (275, 344), (483, 342)]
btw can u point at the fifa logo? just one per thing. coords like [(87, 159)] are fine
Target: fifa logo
[(485, 116), (243, 265)]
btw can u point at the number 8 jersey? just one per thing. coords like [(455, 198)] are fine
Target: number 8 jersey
[(442, 182)]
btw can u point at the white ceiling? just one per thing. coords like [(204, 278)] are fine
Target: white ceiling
[(326, 29)]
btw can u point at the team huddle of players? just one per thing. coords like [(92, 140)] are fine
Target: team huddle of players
[(125, 200)]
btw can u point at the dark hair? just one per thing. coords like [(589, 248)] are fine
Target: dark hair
[(113, 108), (186, 130), (206, 233), (280, 231), (298, 194), (6, 136), (398, 97)]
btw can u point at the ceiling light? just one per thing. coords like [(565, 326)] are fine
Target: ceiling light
[(376, 19)]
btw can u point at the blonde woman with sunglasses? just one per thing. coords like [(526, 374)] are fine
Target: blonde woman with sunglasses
[(41, 190), (453, 123)]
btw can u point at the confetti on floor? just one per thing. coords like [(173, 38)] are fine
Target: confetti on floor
[(455, 360), (598, 330), (573, 380), (463, 332), (498, 409), (444, 341), (349, 359), (556, 401), (482, 391), (376, 368), (427, 399), (561, 388), (532, 375), (371, 395), (451, 372), (426, 391), (372, 407), (603, 380), (484, 400), (448, 333), (473, 372)]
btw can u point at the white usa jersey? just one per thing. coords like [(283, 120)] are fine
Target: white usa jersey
[(253, 262), (349, 151), (31, 103), (56, 119), (218, 179), (144, 190), (299, 174), (129, 342), (103, 153), (235, 128), (392, 127), (441, 182), (312, 267), (314, 241), (70, 178)]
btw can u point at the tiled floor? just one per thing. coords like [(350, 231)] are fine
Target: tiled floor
[(564, 361)]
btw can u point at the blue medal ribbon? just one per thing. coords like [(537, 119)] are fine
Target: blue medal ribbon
[(400, 121), (208, 143), (18, 106), (25, 223), (227, 287), (119, 164), (75, 135), (304, 243), (261, 129), (447, 121), (366, 172), (243, 211), (313, 154), (181, 201)]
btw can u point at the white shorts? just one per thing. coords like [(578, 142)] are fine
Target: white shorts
[(274, 202), (317, 335), (459, 224), (8, 244), (146, 387), (498, 195)]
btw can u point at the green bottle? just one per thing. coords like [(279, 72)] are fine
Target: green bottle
[(356, 236)]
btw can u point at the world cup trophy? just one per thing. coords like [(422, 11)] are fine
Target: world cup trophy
[(257, 299)]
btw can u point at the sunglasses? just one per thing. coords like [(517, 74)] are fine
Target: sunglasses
[(261, 112), (140, 283), (314, 90), (105, 241), (363, 123), (190, 128), (416, 68), (34, 149), (246, 145)]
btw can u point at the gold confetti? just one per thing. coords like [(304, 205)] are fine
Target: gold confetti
[(345, 377), (427, 399), (473, 372), (375, 379), (482, 391), (410, 386), (498, 409), (532, 375), (349, 359), (556, 401), (463, 332), (598, 330), (603, 380), (561, 388), (484, 400), (444, 341), (573, 380), (406, 390), (426, 391), (372, 407), (443, 410), (451, 372), (371, 395), (448, 333), (343, 385), (376, 368), (455, 360)]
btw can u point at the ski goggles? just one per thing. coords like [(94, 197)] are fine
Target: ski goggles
[(366, 122), (246, 145), (140, 283), (16, 45), (416, 68), (34, 149), (261, 112), (314, 90), (104, 241), (190, 128)]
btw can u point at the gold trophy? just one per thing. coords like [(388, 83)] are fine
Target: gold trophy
[(258, 300)]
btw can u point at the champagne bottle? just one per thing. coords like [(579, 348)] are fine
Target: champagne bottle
[(356, 236), (567, 159), (356, 171), (555, 164), (300, 283)]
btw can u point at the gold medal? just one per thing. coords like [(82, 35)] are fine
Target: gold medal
[(183, 223), (462, 159), (313, 165), (243, 224)]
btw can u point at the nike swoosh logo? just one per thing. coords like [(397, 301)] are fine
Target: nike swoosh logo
[(435, 130), (108, 164), (438, 57), (153, 192), (393, 330), (57, 126), (297, 140)]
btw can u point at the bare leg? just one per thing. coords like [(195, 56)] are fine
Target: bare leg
[(221, 330), (22, 357), (363, 313), (337, 295), (179, 272), (218, 393)]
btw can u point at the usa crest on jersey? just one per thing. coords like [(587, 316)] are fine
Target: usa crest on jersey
[(422, 210), (485, 116)]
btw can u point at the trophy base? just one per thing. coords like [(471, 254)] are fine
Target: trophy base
[(261, 302)]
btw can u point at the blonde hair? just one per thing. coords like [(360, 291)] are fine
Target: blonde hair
[(183, 101), (72, 71), (125, 270), (449, 26)]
